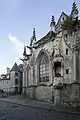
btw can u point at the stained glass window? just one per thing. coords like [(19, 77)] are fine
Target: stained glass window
[(43, 68)]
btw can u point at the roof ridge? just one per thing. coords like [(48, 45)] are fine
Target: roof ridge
[(15, 67)]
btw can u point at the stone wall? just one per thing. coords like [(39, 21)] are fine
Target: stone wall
[(44, 93), (31, 92), (67, 93), (57, 50)]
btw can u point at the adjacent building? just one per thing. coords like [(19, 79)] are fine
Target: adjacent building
[(12, 81), (51, 72), (5, 81)]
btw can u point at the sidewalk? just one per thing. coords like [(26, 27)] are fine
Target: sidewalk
[(21, 100)]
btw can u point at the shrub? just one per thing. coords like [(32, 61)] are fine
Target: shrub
[(69, 24)]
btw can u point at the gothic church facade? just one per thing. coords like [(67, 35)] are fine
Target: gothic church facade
[(51, 70)]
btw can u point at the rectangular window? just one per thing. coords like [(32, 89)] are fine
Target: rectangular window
[(67, 51), (16, 74), (67, 71), (16, 81)]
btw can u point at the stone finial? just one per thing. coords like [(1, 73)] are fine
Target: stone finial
[(33, 38), (74, 12), (34, 33), (52, 21), (74, 7), (24, 53), (52, 24)]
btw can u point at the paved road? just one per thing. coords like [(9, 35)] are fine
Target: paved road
[(10, 111)]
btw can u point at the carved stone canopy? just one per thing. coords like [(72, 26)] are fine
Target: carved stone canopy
[(58, 59)]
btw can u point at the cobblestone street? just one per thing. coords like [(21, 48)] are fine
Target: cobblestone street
[(10, 110)]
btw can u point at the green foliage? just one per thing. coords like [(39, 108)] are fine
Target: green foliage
[(69, 24)]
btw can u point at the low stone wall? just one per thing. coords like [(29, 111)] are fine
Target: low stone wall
[(24, 91), (31, 92), (66, 94), (44, 93), (61, 95)]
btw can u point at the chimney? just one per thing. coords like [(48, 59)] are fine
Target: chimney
[(24, 53), (8, 70)]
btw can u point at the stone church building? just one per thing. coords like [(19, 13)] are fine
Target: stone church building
[(51, 72)]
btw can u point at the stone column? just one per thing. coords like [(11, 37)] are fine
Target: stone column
[(74, 66), (77, 65), (57, 96), (34, 89), (24, 80)]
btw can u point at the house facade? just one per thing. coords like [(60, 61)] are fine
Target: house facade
[(51, 72), (16, 78), (12, 81), (5, 81)]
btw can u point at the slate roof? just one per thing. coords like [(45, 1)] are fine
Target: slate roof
[(15, 67), (48, 37)]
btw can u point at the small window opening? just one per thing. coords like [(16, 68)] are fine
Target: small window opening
[(16, 74), (66, 36), (63, 18), (58, 69), (67, 51), (67, 71)]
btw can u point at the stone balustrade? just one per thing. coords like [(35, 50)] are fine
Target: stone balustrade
[(58, 81)]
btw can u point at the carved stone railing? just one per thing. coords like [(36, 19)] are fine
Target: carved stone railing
[(58, 81)]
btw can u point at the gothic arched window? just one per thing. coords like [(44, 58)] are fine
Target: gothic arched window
[(43, 68)]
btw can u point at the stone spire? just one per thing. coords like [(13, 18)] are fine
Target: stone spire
[(33, 38), (74, 12), (24, 53), (34, 33), (52, 24)]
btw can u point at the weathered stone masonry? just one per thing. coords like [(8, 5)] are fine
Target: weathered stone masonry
[(51, 72)]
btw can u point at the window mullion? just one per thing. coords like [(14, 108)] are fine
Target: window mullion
[(43, 69)]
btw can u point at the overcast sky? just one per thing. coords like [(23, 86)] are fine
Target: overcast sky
[(18, 18)]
